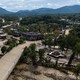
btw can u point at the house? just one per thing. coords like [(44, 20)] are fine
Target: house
[(33, 36), (57, 54), (3, 27), (2, 35), (16, 33)]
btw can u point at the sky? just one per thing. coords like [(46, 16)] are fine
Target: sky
[(16, 5)]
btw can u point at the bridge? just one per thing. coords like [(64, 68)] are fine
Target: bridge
[(9, 60)]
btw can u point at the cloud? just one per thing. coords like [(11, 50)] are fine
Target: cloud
[(78, 1), (15, 5)]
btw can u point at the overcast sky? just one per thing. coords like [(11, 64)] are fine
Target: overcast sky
[(15, 5)]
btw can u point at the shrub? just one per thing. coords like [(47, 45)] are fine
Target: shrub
[(4, 49), (22, 39)]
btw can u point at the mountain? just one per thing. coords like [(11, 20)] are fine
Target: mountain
[(62, 10), (68, 9), (3, 11), (35, 11), (43, 11)]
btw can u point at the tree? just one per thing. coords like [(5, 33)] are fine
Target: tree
[(49, 42), (71, 58), (75, 50), (56, 34), (41, 55), (56, 63), (47, 61), (4, 49), (22, 39), (77, 70), (54, 42), (33, 54), (26, 51), (71, 41), (25, 54), (61, 42), (44, 42)]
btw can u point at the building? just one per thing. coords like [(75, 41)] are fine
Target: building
[(3, 27), (57, 54), (16, 33), (3, 35), (32, 36)]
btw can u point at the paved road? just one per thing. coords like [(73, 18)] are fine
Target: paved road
[(8, 62)]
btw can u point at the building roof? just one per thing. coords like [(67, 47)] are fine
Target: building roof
[(1, 35), (56, 54), (32, 33)]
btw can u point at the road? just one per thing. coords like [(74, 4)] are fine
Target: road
[(9, 60)]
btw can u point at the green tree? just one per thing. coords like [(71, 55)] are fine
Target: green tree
[(75, 50), (71, 41), (72, 57), (61, 42), (44, 42), (4, 49), (77, 70), (26, 51), (25, 54), (49, 42), (55, 34), (56, 63), (33, 54), (41, 55), (22, 39)]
